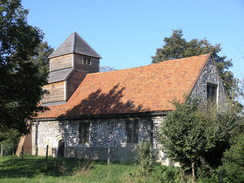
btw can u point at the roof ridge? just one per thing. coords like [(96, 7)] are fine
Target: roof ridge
[(184, 58), (74, 42), (200, 73), (50, 56), (88, 44), (152, 64)]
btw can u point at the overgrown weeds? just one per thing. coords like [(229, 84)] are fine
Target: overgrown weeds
[(83, 168), (149, 171), (145, 158)]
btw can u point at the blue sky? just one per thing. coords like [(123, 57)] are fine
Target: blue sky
[(126, 33)]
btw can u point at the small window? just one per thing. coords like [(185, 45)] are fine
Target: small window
[(84, 132), (212, 92), (86, 61), (132, 129)]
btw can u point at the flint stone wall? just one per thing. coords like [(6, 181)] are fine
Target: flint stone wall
[(210, 75), (104, 133)]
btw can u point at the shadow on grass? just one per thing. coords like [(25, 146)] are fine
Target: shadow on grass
[(32, 166), (14, 167)]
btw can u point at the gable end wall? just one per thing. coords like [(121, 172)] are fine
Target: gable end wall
[(210, 75)]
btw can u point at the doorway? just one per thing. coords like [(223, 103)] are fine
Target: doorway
[(61, 148)]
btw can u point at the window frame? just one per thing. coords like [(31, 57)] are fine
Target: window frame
[(132, 132), (212, 93), (84, 133), (86, 60)]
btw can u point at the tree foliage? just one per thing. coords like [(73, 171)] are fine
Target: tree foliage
[(176, 47), (195, 136), (106, 69), (40, 59), (20, 78), (240, 94), (145, 158), (233, 164), (9, 139)]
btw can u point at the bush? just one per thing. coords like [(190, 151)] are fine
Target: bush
[(149, 172), (233, 161), (8, 150), (232, 169), (145, 158), (207, 174), (166, 174), (9, 140)]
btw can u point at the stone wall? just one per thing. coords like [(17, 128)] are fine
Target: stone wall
[(210, 75), (114, 154), (104, 133), (157, 147), (45, 133)]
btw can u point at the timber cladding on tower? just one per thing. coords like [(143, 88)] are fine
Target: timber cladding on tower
[(91, 111), (68, 65)]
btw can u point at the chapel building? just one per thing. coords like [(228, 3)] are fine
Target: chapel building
[(98, 115)]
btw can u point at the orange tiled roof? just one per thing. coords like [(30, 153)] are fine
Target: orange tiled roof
[(140, 89)]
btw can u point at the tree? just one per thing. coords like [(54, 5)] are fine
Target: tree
[(176, 47), (43, 51), (20, 80), (195, 136), (9, 139), (233, 164), (240, 94), (181, 135), (106, 69)]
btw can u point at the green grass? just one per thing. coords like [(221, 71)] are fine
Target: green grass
[(38, 170), (63, 170)]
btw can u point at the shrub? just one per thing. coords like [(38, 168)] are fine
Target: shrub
[(145, 158), (166, 174), (233, 161)]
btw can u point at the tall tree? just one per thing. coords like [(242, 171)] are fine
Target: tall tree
[(176, 47), (20, 80)]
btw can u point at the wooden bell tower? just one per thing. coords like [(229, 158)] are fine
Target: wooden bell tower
[(68, 65)]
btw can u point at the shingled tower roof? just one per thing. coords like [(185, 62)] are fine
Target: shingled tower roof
[(74, 44)]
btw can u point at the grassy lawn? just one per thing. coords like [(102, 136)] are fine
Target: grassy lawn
[(38, 169)]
